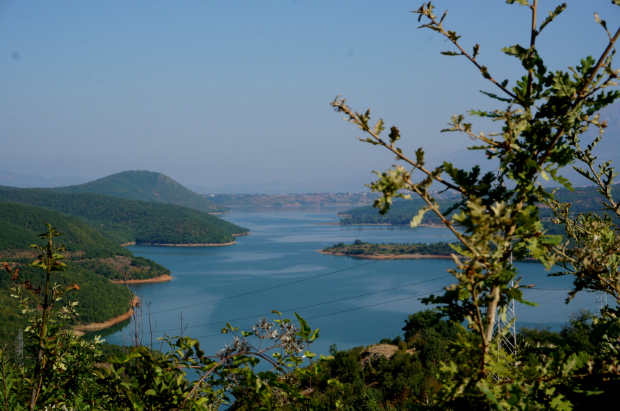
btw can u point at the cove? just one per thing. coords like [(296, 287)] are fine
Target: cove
[(355, 302)]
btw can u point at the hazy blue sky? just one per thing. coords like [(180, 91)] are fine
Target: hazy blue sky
[(216, 93)]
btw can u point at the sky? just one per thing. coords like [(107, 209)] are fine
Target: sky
[(233, 96)]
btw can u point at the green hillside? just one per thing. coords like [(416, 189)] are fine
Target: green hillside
[(93, 260), (127, 221), (583, 199), (146, 186), (20, 224), (362, 249), (400, 213)]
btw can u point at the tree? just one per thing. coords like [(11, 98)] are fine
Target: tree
[(543, 116), (69, 372)]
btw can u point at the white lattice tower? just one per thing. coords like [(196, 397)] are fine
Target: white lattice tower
[(509, 340), (19, 349), (601, 300)]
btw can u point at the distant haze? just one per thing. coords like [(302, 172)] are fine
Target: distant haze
[(234, 96)]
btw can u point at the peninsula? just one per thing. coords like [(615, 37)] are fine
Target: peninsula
[(360, 249)]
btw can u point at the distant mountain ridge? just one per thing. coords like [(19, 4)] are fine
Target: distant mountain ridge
[(9, 178), (146, 185)]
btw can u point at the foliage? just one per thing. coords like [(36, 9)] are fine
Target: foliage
[(545, 112), (19, 224), (127, 221), (583, 200), (67, 371), (376, 382), (360, 248), (95, 259), (400, 213), (146, 186)]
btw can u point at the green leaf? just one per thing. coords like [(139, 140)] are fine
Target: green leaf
[(517, 51), (379, 127), (496, 97), (450, 53), (394, 135), (485, 72), (602, 23), (150, 392), (314, 335), (552, 15), (417, 219), (305, 330)]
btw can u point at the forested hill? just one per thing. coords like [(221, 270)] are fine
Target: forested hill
[(583, 199), (146, 186), (20, 224), (93, 261), (128, 221), (400, 213), (391, 250)]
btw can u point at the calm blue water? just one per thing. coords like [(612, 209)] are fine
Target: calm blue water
[(215, 285)]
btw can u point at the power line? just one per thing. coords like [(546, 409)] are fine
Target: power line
[(383, 303), (328, 302), (352, 309), (318, 304), (267, 288), (237, 246), (563, 313), (323, 328)]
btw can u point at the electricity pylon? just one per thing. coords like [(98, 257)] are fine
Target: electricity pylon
[(509, 340), (19, 349), (601, 300)]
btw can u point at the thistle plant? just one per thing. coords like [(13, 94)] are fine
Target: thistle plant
[(543, 115), (146, 379), (46, 316)]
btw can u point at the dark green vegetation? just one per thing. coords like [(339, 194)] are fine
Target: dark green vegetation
[(398, 374), (56, 369), (401, 213), (146, 186), (98, 300), (292, 200), (582, 200), (360, 248), (86, 247), (127, 221), (545, 116), (94, 261)]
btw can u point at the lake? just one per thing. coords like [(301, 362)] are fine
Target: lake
[(354, 301)]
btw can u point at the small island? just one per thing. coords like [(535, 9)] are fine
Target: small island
[(361, 249)]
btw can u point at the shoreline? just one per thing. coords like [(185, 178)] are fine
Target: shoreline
[(109, 323), (182, 245), (392, 256), (190, 245), (160, 279), (399, 225), (297, 205)]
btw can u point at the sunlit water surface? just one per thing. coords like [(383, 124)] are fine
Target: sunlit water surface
[(354, 301)]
